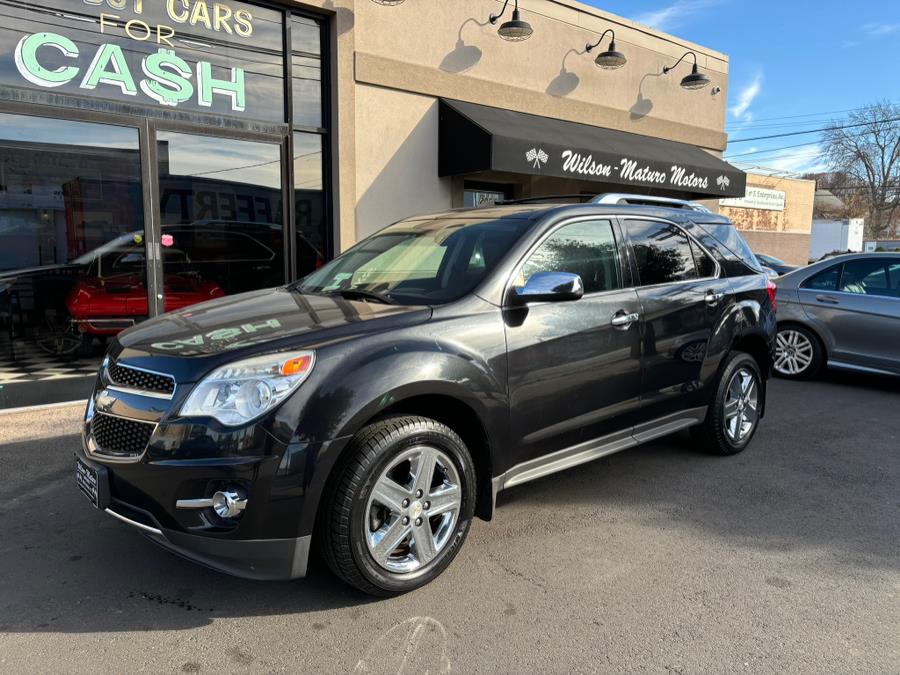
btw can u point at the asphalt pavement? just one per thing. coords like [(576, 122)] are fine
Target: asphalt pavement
[(659, 559)]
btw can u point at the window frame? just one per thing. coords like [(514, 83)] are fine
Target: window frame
[(691, 239), (618, 239)]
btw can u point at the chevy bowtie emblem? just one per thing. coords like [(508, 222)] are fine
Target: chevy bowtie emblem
[(723, 182), (537, 157)]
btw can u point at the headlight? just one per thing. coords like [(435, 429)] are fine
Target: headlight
[(244, 390)]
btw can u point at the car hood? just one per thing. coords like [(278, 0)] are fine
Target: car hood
[(257, 322)]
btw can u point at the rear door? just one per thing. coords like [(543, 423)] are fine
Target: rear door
[(574, 376), (682, 299), (859, 304)]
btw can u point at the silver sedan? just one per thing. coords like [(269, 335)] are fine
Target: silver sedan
[(843, 312)]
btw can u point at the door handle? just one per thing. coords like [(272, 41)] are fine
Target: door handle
[(713, 298), (831, 300), (623, 320)]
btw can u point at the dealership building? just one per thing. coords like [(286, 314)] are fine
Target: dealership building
[(158, 153)]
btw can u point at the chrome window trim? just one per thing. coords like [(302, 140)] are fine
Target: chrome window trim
[(716, 277), (510, 282)]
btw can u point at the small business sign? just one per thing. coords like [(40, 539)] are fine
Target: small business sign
[(757, 198), (221, 57)]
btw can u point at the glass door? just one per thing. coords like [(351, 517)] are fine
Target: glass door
[(221, 228), (73, 270)]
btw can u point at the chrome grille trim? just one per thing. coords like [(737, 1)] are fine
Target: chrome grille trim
[(119, 455), (141, 381)]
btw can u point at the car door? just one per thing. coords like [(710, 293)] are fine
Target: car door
[(682, 300), (859, 304), (574, 367)]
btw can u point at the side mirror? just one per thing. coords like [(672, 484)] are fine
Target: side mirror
[(549, 287)]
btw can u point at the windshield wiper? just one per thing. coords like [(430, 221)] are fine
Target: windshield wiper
[(359, 294)]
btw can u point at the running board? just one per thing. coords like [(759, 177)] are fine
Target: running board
[(597, 448)]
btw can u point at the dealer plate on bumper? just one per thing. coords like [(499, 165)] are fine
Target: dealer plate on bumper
[(93, 481)]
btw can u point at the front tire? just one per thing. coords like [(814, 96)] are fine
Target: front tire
[(734, 413), (401, 507)]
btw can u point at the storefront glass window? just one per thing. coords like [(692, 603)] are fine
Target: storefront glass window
[(309, 203), (306, 69), (221, 207), (220, 58), (72, 268)]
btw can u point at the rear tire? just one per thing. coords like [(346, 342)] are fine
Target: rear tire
[(799, 354), (401, 508), (734, 413)]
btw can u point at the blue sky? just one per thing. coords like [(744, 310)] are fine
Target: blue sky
[(788, 58)]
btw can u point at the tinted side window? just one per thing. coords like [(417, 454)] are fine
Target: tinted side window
[(706, 266), (663, 252), (824, 281), (587, 249), (871, 277)]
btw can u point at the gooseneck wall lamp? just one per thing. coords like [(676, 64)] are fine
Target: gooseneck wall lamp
[(514, 30), (611, 58), (696, 80), (389, 3)]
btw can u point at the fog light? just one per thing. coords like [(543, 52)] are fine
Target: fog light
[(229, 504)]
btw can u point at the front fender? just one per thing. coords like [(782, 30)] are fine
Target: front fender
[(365, 388)]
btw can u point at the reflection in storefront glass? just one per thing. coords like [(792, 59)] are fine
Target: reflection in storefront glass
[(309, 203), (72, 265), (306, 71), (222, 217)]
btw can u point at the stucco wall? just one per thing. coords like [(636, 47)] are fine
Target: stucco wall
[(396, 158), (392, 62), (792, 247)]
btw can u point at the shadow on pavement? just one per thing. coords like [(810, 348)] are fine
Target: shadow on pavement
[(821, 475)]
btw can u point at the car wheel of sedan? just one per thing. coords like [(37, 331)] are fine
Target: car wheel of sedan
[(798, 353), (402, 507), (735, 411)]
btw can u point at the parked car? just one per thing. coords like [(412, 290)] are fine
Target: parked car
[(373, 409), (776, 264), (842, 312)]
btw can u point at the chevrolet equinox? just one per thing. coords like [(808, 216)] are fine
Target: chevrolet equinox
[(371, 410)]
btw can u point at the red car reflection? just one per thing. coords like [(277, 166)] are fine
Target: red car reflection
[(106, 306)]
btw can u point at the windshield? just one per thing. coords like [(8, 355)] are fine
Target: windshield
[(425, 262)]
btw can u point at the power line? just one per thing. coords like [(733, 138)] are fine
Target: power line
[(816, 131), (768, 150), (813, 114)]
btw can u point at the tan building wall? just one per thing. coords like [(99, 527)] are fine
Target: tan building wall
[(783, 234), (392, 63)]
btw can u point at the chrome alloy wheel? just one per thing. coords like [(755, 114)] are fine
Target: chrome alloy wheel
[(793, 352), (413, 509), (741, 406)]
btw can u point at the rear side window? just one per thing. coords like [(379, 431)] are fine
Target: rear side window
[(729, 238), (871, 277), (706, 266), (587, 249), (824, 281), (662, 251)]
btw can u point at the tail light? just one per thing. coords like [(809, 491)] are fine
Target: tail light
[(773, 291)]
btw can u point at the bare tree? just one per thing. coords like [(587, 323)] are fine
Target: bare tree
[(865, 147)]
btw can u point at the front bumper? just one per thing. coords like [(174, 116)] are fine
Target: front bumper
[(264, 559)]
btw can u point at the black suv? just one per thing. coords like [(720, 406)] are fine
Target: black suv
[(371, 410)]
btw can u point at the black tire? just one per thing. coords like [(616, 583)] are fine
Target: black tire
[(346, 509), (811, 348), (712, 435)]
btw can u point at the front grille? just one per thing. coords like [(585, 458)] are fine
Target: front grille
[(140, 380), (119, 437)]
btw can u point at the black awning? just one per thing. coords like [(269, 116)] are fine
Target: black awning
[(477, 138)]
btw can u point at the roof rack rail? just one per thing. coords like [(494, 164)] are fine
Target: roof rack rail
[(545, 198), (648, 200)]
